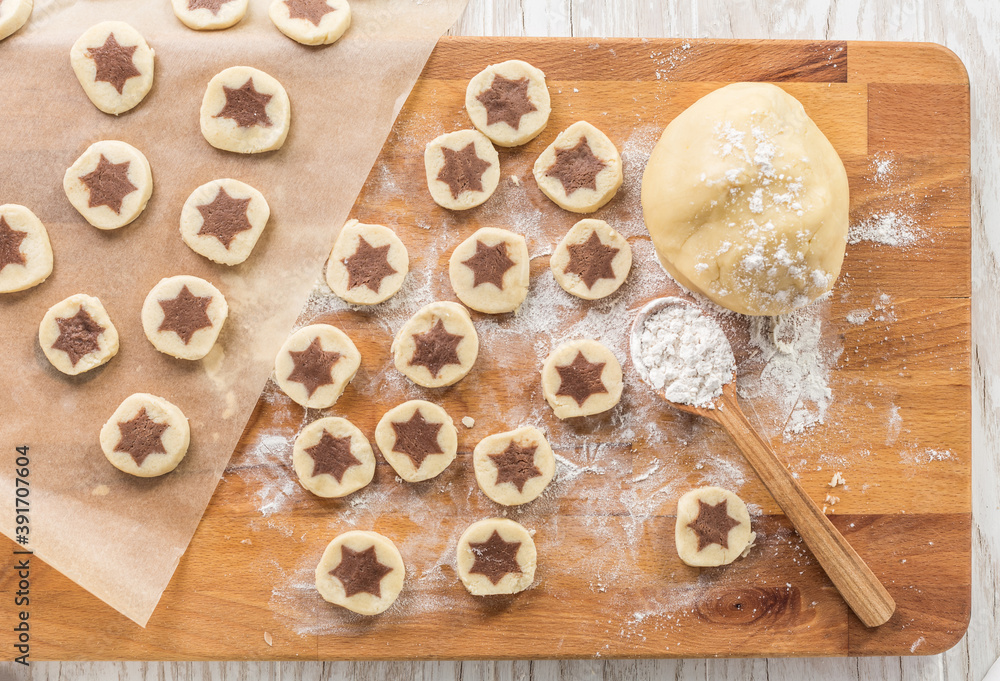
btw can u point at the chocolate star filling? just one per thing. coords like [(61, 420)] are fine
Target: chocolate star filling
[(332, 456), (489, 264), (576, 168), (10, 245), (368, 266), (506, 101), (516, 465), (436, 348), (185, 313), (246, 106), (114, 62), (712, 524), (360, 571), (224, 217), (417, 438), (108, 184), (313, 367), (312, 11), (78, 335), (212, 5), (495, 557), (463, 170), (591, 260), (580, 379), (140, 437)]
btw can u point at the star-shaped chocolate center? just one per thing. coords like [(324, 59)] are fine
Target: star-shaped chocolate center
[(360, 571), (436, 348), (114, 62), (141, 436), (313, 367), (224, 217), (78, 335), (591, 260), (245, 105), (312, 11), (212, 5), (580, 379), (417, 438), (463, 170), (368, 266), (712, 524), (489, 264), (576, 168), (495, 557), (10, 245), (185, 314), (332, 456), (108, 184), (516, 465), (506, 101)]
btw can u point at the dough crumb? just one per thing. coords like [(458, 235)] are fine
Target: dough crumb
[(838, 479), (267, 638), (468, 421)]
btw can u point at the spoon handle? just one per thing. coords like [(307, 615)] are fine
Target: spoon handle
[(850, 574)]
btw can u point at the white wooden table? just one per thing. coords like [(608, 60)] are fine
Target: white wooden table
[(969, 27)]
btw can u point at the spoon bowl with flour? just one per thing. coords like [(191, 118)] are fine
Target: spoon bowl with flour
[(685, 356)]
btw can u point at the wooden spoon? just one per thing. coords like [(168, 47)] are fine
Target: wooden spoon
[(850, 574)]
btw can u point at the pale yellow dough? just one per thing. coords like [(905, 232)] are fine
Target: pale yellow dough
[(13, 15), (740, 537), (330, 28), (138, 172), (34, 248), (204, 19), (434, 162), (363, 603), (486, 297), (326, 484), (225, 133), (105, 95), (565, 406), (169, 341), (446, 440), (456, 321), (488, 474), (607, 181), (502, 133), (331, 339), (347, 244), (209, 245), (580, 233), (174, 440), (49, 333), (509, 531)]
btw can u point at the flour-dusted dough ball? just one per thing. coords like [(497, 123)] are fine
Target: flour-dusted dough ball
[(25, 252), (182, 316), (13, 15), (146, 436), (713, 527), (223, 219), (315, 365), (515, 467), (418, 439), (496, 556), (114, 65), (747, 201), (209, 15), (76, 334), (333, 458), (109, 184), (367, 265), (508, 102), (437, 346), (311, 22), (463, 169), (592, 260), (489, 270), (361, 571), (246, 111), (581, 170), (580, 378)]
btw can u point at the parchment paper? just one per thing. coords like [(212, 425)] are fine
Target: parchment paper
[(118, 536)]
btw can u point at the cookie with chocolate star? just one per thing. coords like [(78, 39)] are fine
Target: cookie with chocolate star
[(509, 102), (581, 170)]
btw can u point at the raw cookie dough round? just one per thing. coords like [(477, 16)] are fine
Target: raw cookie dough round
[(418, 439), (183, 315), (367, 265), (246, 111), (713, 527), (463, 169), (747, 201), (223, 219), (114, 66), (13, 15), (361, 571), (515, 467), (489, 270), (146, 436), (25, 252), (311, 22), (109, 184), (333, 458), (508, 102), (592, 261), (580, 378), (77, 335), (496, 556), (315, 365), (209, 15), (437, 346), (581, 170)]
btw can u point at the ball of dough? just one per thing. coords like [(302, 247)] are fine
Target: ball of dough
[(182, 316), (515, 467), (146, 436), (592, 260), (496, 556), (246, 111), (581, 170), (114, 65), (76, 334), (315, 365), (333, 458), (367, 265), (508, 102), (361, 571), (713, 527), (25, 252), (463, 169), (489, 270), (418, 439), (311, 22), (109, 184), (747, 201), (13, 15), (223, 219), (437, 346), (209, 15), (580, 378)]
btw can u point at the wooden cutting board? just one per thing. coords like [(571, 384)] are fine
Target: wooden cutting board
[(609, 584)]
